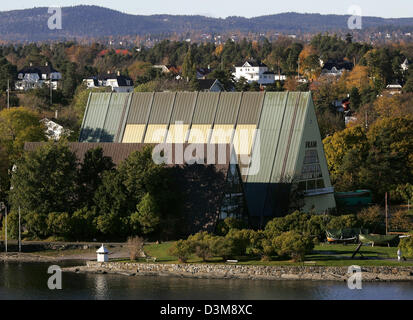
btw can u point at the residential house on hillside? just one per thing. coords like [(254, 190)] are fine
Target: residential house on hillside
[(335, 68), (254, 71), (393, 89), (210, 85), (169, 69), (33, 77), (117, 82), (202, 73), (54, 131), (405, 65)]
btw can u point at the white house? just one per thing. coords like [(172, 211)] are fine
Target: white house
[(117, 82), (405, 65), (36, 76), (335, 68), (54, 131), (254, 71)]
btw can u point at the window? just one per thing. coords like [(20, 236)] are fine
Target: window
[(311, 174), (233, 202)]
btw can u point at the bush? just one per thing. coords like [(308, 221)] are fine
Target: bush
[(238, 241), (294, 245), (201, 244), (343, 222), (182, 249), (406, 246), (135, 247), (296, 221), (303, 223), (261, 245)]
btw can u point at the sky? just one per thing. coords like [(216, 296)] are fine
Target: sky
[(224, 8)]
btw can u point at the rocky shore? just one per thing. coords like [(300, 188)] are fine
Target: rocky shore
[(207, 271)]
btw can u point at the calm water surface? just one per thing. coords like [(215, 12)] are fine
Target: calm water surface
[(29, 281)]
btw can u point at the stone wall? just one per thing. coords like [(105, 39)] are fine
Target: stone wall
[(227, 271)]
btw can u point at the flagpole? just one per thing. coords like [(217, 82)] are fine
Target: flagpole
[(6, 229), (20, 237)]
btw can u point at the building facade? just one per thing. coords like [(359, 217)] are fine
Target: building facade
[(254, 71), (274, 135)]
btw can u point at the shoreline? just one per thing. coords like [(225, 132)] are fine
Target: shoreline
[(244, 272)]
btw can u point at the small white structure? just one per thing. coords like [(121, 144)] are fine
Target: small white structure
[(102, 254), (399, 255)]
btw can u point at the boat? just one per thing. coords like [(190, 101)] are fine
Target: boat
[(339, 237), (377, 238), (354, 198)]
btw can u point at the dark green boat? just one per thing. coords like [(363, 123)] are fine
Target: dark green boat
[(377, 238)]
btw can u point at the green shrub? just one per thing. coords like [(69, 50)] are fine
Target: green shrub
[(406, 245), (238, 241), (182, 249), (293, 245), (201, 245), (343, 222), (261, 246)]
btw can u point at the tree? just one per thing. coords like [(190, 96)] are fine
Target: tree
[(189, 67), (90, 175), (401, 221), (17, 126), (371, 219), (44, 180), (59, 224), (355, 99), (225, 77), (147, 215), (113, 206), (309, 63), (8, 73)]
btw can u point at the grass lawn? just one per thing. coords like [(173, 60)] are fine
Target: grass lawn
[(323, 255)]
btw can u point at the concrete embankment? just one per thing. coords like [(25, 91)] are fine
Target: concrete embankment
[(221, 271)]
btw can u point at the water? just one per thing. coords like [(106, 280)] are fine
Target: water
[(29, 281)]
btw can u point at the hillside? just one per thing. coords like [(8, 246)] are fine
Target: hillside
[(93, 21)]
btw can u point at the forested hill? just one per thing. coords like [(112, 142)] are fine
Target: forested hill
[(93, 21)]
